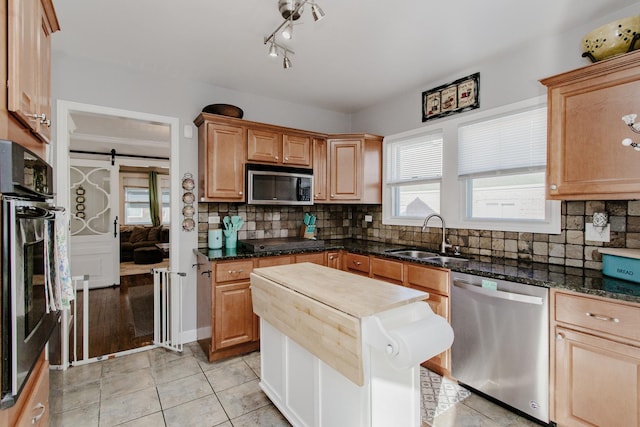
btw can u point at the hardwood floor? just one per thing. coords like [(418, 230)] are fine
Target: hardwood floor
[(111, 318)]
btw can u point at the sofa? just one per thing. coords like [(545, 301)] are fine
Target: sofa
[(137, 236)]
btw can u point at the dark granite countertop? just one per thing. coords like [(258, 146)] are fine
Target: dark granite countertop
[(582, 280)]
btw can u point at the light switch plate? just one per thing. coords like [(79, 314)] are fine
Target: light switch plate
[(368, 218), (594, 234)]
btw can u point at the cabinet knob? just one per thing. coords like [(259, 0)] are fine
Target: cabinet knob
[(239, 193), (333, 195), (559, 336), (286, 159), (277, 157), (357, 262), (553, 187), (331, 257)]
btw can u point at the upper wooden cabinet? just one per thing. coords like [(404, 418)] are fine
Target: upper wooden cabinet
[(319, 169), (273, 146), (221, 158), (355, 168), (585, 157), (30, 25)]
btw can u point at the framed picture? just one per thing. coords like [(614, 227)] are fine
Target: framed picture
[(451, 98)]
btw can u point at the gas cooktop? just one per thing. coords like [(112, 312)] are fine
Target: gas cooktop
[(280, 244)]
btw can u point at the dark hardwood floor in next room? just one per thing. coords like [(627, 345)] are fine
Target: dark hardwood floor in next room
[(120, 318)]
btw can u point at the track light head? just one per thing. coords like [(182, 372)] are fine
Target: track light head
[(273, 50), (316, 12), (286, 63), (287, 31)]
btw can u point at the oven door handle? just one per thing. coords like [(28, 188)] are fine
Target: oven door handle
[(32, 212)]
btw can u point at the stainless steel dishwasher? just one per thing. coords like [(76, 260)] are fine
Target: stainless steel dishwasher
[(501, 345)]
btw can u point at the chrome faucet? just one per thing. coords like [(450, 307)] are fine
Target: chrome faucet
[(445, 244)]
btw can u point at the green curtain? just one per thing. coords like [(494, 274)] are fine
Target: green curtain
[(154, 200)]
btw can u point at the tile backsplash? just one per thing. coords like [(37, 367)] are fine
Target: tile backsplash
[(568, 248)]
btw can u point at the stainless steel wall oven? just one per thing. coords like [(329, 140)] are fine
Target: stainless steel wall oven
[(27, 248)]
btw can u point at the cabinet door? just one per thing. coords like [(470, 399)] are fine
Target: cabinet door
[(224, 163), (333, 260), (44, 75), (345, 169), (586, 160), (296, 150), (319, 169), (23, 60), (234, 319), (264, 146), (588, 369), (273, 260), (355, 263)]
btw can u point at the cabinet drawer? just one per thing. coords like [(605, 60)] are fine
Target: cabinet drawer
[(431, 278), (384, 269), (233, 270), (357, 262), (602, 316), (315, 258), (272, 261)]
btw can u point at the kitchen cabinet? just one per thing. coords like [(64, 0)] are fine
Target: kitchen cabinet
[(355, 168), (32, 408), (387, 270), (221, 159), (356, 263), (319, 258), (434, 281), (225, 296), (25, 107), (274, 260), (334, 260), (270, 145), (597, 342), (585, 157), (319, 169)]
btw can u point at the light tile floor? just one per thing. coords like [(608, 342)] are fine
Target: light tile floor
[(161, 388)]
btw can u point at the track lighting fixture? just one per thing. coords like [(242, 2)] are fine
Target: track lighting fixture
[(290, 10)]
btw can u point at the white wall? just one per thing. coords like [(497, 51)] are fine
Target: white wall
[(503, 80)]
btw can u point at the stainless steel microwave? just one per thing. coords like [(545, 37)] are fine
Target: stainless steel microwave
[(277, 185)]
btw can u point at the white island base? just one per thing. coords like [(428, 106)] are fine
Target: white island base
[(339, 349), (309, 392)]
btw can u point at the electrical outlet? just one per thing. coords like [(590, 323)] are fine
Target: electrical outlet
[(214, 220), (597, 234), (368, 218)]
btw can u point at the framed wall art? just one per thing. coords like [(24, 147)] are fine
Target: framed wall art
[(451, 98)]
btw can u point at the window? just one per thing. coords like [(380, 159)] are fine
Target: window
[(413, 175), (136, 206), (501, 161)]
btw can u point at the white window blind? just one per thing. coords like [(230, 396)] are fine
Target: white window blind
[(514, 142), (417, 158)]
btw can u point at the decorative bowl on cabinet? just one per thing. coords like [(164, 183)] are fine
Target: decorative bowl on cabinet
[(612, 39)]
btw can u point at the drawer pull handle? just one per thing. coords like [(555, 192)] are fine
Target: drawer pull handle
[(357, 262), (603, 318), (42, 409), (235, 271)]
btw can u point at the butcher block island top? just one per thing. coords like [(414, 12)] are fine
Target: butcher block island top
[(355, 295)]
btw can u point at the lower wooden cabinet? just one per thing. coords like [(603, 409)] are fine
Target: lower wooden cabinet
[(356, 263), (434, 281), (233, 321), (334, 260), (387, 270), (595, 369), (32, 408)]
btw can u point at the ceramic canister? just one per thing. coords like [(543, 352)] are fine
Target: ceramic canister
[(215, 239)]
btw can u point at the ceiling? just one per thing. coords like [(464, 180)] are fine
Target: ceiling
[(360, 54)]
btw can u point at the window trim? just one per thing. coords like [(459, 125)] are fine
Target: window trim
[(388, 186)]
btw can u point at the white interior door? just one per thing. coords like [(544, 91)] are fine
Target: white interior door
[(94, 199)]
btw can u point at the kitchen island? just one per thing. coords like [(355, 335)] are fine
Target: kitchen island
[(342, 349)]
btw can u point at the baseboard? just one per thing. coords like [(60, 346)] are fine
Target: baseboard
[(189, 336)]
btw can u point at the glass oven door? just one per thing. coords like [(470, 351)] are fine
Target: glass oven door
[(30, 254)]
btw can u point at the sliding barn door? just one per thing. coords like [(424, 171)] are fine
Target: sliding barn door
[(94, 206)]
